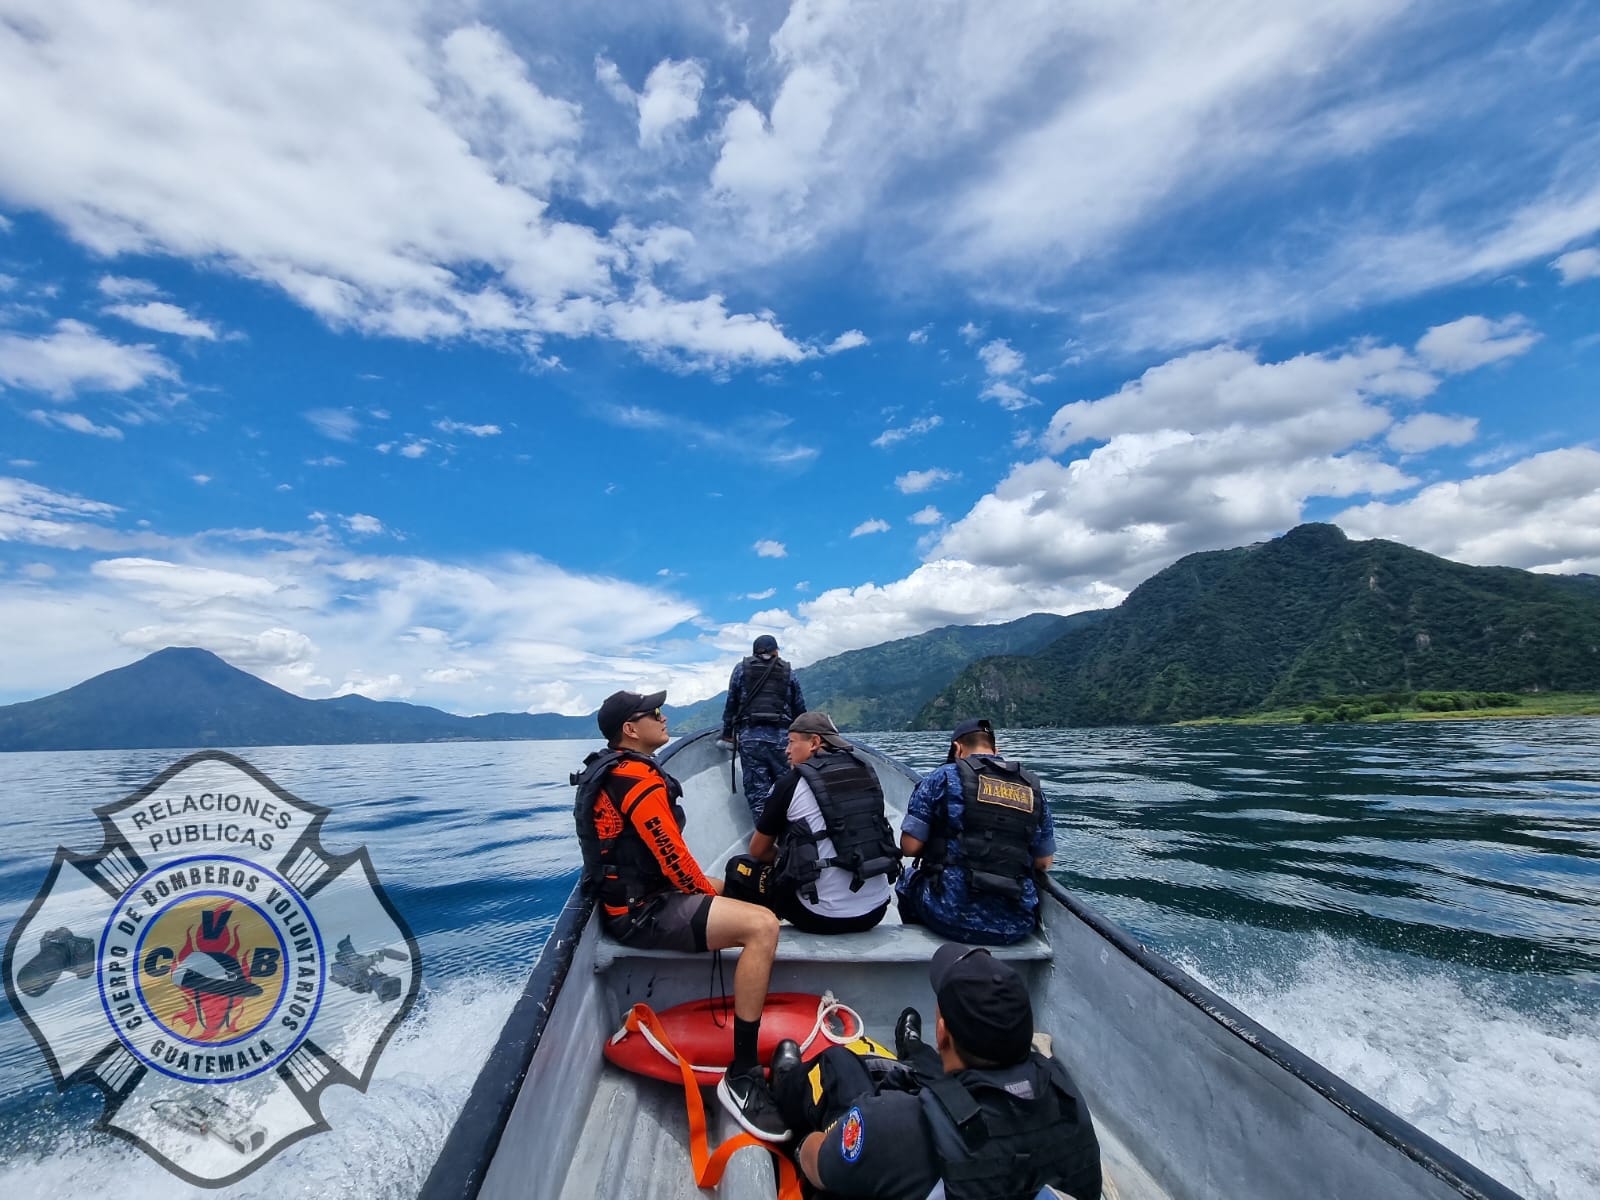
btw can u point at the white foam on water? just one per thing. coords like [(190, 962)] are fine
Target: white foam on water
[(1508, 1086), (382, 1144)]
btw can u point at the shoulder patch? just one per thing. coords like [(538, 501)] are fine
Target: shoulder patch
[(851, 1135)]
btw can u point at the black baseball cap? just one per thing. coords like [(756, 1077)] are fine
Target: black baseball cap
[(765, 644), (984, 1003), (965, 728), (619, 707)]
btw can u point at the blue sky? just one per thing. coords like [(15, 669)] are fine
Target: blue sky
[(495, 357)]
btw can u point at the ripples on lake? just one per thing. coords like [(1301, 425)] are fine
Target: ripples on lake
[(1416, 906)]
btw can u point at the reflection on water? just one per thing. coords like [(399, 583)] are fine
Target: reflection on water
[(1418, 906)]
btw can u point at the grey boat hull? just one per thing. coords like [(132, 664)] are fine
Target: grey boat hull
[(1191, 1098)]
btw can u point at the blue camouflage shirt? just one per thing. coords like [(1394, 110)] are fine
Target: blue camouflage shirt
[(940, 792), (730, 710)]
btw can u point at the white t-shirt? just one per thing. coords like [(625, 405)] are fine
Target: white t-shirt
[(834, 897)]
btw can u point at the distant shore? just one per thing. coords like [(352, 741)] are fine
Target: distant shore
[(1369, 710)]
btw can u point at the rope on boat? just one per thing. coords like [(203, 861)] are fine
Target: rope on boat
[(827, 1006)]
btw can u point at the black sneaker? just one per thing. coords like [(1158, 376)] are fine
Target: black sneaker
[(907, 1030), (785, 1058), (746, 1097)]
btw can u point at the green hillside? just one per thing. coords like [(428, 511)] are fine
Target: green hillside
[(884, 687), (1306, 615)]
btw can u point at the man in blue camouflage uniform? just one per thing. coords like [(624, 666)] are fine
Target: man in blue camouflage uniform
[(979, 827), (763, 698)]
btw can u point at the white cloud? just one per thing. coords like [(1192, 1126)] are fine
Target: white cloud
[(873, 525), (1428, 431), (1009, 396), (926, 516), (76, 422), (671, 98), (768, 594), (999, 358), (75, 358), (763, 435), (164, 318), (315, 617), (1001, 363), (1212, 448), (273, 144), (340, 424), (121, 287), (381, 687), (920, 481), (1578, 265), (1474, 342), (363, 524), (970, 332), (1318, 401), (327, 460), (918, 337), (922, 425), (941, 592), (767, 548), (1542, 513), (479, 431), (31, 514), (415, 448), (202, 480), (850, 339)]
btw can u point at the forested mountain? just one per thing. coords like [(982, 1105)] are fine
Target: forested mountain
[(1309, 614), (884, 686)]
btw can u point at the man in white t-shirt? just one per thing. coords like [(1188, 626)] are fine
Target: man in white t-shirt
[(835, 855)]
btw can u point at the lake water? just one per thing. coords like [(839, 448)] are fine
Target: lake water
[(1415, 906)]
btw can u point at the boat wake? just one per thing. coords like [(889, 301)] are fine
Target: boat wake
[(1503, 1078), (382, 1144)]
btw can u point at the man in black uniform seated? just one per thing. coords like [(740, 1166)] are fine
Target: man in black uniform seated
[(980, 1111)]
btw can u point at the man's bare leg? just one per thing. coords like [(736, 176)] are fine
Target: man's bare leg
[(735, 923)]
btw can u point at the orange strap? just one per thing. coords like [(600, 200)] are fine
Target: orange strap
[(710, 1164)]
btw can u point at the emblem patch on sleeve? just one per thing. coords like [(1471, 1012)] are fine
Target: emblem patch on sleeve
[(851, 1135)]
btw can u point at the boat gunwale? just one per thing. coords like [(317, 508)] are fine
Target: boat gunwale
[(1435, 1157), (463, 1163)]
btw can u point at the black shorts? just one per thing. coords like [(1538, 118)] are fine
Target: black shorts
[(670, 921), (787, 905)]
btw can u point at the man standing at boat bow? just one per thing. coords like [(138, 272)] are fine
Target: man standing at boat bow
[(763, 697), (652, 893)]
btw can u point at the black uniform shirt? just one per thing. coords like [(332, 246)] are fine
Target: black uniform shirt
[(880, 1148)]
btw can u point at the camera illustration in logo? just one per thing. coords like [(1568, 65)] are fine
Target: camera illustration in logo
[(201, 968)]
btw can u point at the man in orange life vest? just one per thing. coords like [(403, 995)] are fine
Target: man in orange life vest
[(652, 892)]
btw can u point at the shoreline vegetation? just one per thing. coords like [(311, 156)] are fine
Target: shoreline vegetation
[(1419, 706)]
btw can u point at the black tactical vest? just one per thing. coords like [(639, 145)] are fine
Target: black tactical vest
[(1004, 1134), (766, 692), (851, 801), (1002, 805), (620, 870)]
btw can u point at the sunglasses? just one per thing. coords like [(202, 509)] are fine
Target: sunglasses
[(654, 714)]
